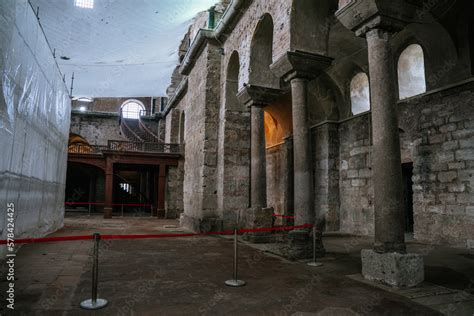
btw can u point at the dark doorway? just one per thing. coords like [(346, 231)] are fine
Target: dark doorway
[(407, 169)]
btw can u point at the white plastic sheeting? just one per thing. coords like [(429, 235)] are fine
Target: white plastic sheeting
[(34, 124), (118, 48)]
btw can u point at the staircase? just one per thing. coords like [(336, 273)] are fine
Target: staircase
[(136, 131)]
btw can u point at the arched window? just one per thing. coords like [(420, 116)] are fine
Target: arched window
[(411, 72), (360, 94), (131, 109)]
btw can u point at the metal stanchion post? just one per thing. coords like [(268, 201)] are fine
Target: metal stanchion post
[(122, 210), (235, 282), (94, 302), (90, 207), (314, 263)]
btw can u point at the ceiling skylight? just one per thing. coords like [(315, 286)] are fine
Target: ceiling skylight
[(87, 4)]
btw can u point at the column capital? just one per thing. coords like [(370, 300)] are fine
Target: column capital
[(361, 16), (252, 95), (299, 64)]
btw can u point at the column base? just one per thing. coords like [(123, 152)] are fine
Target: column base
[(107, 212), (258, 218), (394, 269), (301, 245)]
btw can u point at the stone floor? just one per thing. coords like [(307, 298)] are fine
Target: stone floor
[(185, 276)]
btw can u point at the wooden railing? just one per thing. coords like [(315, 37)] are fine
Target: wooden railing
[(115, 145)]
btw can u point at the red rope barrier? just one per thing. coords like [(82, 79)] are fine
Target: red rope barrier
[(102, 203), (151, 236)]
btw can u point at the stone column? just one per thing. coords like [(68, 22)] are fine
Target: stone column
[(376, 21), (303, 180), (258, 177), (297, 69), (258, 215), (388, 203)]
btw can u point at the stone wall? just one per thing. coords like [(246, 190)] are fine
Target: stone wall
[(280, 191), (111, 104), (240, 39), (201, 108), (97, 128), (276, 186), (171, 126), (437, 136), (34, 126), (174, 191), (438, 131), (325, 140), (355, 185)]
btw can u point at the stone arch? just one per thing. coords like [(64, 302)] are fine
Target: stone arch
[(439, 51), (232, 83), (360, 93), (278, 120), (261, 54), (325, 99), (310, 24), (411, 72)]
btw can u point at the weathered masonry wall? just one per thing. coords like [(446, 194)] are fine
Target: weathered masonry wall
[(200, 106), (112, 104), (355, 185), (34, 125), (174, 191), (276, 168), (438, 130), (97, 128), (241, 40), (437, 136)]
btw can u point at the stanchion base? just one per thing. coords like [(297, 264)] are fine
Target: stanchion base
[(315, 264), (100, 303), (235, 283)]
